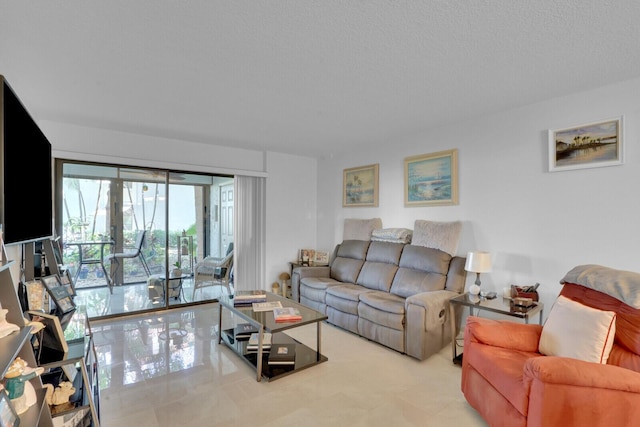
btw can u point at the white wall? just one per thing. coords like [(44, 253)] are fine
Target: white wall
[(291, 211), (537, 224)]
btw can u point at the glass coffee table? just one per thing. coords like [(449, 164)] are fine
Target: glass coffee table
[(263, 321)]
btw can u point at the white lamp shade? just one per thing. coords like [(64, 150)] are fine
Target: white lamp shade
[(478, 262)]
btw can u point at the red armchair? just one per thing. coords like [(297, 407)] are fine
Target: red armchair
[(510, 383)]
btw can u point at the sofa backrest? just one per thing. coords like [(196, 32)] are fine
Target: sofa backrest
[(420, 269), (350, 256), (626, 347), (380, 266)]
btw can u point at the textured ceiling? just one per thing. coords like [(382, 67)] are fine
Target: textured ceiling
[(306, 77)]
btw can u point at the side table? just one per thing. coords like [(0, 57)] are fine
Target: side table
[(497, 305)]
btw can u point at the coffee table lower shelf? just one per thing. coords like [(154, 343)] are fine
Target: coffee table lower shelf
[(306, 357)]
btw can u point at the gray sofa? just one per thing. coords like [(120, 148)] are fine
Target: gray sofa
[(395, 294)]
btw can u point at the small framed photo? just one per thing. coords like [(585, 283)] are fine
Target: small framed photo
[(321, 258), (59, 294), (431, 179), (8, 414), (306, 256), (589, 145), (360, 186), (67, 282)]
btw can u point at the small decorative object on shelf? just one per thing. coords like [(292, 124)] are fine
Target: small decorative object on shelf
[(16, 382), (6, 328), (59, 395), (286, 314)]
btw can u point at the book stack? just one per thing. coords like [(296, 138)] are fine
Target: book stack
[(243, 331), (252, 345), (286, 314), (247, 298), (282, 354)]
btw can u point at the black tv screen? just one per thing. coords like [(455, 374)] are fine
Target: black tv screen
[(26, 210)]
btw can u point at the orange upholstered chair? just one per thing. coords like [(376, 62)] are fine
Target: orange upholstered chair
[(510, 382)]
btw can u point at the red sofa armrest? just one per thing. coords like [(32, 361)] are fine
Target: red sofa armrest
[(564, 391), (503, 333)]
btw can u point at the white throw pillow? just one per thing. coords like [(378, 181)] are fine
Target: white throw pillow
[(578, 331)]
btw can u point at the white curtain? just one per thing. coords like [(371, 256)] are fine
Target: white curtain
[(249, 236)]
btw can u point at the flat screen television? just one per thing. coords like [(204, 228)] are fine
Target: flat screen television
[(26, 210)]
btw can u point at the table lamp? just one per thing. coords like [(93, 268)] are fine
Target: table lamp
[(478, 262)]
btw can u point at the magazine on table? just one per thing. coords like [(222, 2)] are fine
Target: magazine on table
[(286, 314), (266, 306)]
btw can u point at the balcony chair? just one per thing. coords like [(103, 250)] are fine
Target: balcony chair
[(134, 251), (582, 368), (213, 271)]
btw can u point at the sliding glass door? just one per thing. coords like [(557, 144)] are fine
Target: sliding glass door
[(152, 231)]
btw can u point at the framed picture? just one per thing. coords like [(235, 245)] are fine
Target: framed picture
[(67, 282), (8, 414), (589, 145), (431, 179), (52, 336), (321, 258), (35, 295), (306, 256), (360, 186), (58, 293)]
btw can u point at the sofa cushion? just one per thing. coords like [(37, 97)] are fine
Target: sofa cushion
[(420, 269), (578, 331), (383, 309), (381, 265), (315, 288), (345, 298), (348, 261)]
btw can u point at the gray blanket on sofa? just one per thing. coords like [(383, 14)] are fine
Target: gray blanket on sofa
[(620, 284)]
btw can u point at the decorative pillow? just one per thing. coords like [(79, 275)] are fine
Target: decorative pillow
[(438, 235), (360, 229), (578, 331)]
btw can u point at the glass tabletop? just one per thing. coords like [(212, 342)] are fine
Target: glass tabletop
[(497, 305), (265, 318)]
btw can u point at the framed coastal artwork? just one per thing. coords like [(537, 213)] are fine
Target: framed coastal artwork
[(360, 186), (431, 179), (588, 145)]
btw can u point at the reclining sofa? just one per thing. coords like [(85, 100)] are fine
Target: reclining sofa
[(396, 294)]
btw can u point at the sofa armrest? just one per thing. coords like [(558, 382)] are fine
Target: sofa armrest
[(564, 391), (300, 273), (503, 333), (435, 305)]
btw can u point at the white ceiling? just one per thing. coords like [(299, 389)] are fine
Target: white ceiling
[(306, 77)]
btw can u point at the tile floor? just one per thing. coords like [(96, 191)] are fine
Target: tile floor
[(167, 369)]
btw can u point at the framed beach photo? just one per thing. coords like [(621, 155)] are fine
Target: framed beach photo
[(360, 186), (588, 145), (431, 179)]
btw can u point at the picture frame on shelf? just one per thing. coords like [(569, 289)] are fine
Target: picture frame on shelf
[(58, 293), (321, 258), (360, 186), (306, 256), (8, 414), (67, 282), (35, 294), (431, 179), (589, 145), (52, 336)]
